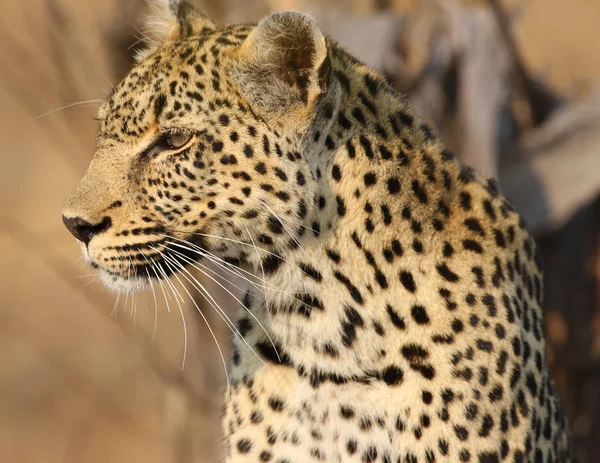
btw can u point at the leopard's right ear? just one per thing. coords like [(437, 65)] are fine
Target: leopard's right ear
[(283, 66), (172, 20)]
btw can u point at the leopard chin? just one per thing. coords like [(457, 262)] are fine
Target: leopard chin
[(120, 284)]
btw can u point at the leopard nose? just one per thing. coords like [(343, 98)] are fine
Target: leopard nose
[(83, 230)]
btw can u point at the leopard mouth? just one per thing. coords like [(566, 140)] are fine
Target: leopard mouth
[(135, 267)]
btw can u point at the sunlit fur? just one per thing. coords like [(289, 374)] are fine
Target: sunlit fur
[(392, 310)]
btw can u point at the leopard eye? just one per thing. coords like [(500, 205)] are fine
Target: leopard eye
[(176, 140)]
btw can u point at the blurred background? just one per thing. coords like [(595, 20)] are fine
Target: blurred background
[(511, 86)]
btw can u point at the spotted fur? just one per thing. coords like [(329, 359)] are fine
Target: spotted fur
[(402, 291)]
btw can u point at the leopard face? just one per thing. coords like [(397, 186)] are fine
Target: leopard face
[(202, 143)]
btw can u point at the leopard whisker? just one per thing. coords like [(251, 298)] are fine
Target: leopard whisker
[(208, 297), (155, 306), (205, 253), (226, 264), (70, 105), (176, 294), (152, 266), (217, 260), (191, 262), (114, 310), (272, 287), (205, 321)]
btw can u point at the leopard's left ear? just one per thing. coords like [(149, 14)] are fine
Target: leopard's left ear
[(283, 65), (176, 20)]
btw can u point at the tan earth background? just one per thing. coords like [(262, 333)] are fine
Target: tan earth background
[(81, 384)]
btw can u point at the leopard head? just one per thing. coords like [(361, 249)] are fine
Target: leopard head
[(204, 148)]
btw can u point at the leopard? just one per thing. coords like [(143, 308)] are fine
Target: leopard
[(392, 308)]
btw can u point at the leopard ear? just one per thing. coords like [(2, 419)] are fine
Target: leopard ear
[(283, 64), (176, 20)]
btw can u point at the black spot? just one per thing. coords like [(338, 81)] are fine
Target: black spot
[(419, 314), (414, 353), (159, 104), (465, 200), (310, 271), (408, 281), (274, 225), (343, 121), (446, 273), (276, 404), (351, 150), (359, 116), (351, 446), (341, 206), (370, 179), (244, 445), (261, 168), (419, 192), (461, 432), (393, 185), (384, 152), (484, 345), (280, 173), (472, 245), (397, 321), (492, 457), (427, 371), (266, 145), (474, 226), (244, 326), (366, 144), (448, 250), (354, 292), (387, 216), (346, 412), (334, 256), (336, 173), (392, 375), (371, 84), (271, 263)]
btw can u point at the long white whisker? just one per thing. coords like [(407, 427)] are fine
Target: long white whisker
[(215, 259), (126, 301), (208, 297), (193, 264), (107, 79), (176, 293), (65, 107), (203, 253), (152, 266), (89, 275), (155, 305), (205, 321), (231, 268), (230, 240), (114, 310)]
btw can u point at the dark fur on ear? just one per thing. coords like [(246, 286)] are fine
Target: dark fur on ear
[(175, 20), (189, 21), (283, 63), (172, 20)]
